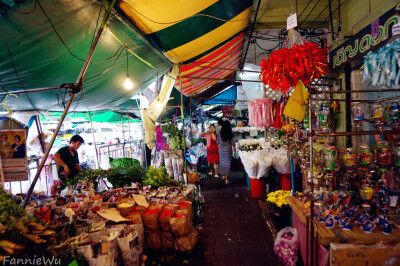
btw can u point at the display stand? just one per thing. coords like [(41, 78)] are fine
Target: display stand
[(315, 232)]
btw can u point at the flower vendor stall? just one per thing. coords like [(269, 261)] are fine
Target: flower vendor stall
[(98, 225)]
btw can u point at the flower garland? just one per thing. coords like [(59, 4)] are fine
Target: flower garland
[(383, 67), (285, 67)]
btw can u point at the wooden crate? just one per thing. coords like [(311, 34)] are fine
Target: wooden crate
[(359, 255), (358, 236)]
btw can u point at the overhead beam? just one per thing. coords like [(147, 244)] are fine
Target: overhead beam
[(282, 25)]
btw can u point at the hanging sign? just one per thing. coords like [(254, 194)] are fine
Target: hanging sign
[(291, 21), (227, 112), (13, 154), (364, 41)]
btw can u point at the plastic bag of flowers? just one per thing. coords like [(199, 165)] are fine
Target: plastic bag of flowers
[(286, 246)]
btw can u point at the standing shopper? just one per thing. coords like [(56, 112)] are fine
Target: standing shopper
[(212, 149), (226, 144)]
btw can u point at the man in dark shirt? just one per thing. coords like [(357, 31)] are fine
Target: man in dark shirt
[(67, 159), (18, 148)]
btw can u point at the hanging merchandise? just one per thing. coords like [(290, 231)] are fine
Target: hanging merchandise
[(377, 116), (159, 138), (199, 116), (286, 67), (382, 67), (278, 114), (358, 115), (394, 115), (324, 113), (296, 106), (260, 113)]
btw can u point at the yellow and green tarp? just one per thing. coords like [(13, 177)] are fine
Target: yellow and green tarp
[(194, 33)]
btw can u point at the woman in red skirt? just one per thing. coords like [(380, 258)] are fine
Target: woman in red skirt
[(212, 149)]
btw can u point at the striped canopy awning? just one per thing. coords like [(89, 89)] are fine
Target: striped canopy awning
[(196, 34)]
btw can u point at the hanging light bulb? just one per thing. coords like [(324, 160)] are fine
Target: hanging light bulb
[(128, 83)]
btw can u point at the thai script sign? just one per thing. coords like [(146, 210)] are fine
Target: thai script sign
[(362, 42)]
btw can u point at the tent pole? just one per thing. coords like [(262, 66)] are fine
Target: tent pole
[(183, 124), (222, 68), (39, 130), (46, 154), (71, 98), (123, 135), (129, 128), (94, 140), (26, 91), (143, 135)]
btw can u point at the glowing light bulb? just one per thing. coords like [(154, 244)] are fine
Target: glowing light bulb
[(128, 83), (158, 105)]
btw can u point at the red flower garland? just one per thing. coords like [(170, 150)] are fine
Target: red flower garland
[(285, 67)]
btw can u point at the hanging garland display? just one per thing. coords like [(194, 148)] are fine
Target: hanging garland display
[(383, 67), (285, 67)]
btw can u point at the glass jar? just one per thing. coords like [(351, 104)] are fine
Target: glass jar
[(394, 111), (384, 155), (358, 115), (324, 112), (366, 192), (330, 158), (349, 157), (366, 155)]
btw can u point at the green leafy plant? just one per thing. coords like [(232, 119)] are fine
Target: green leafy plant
[(158, 178), (90, 175), (123, 162), (125, 176), (176, 137)]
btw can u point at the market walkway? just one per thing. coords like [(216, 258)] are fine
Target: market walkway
[(234, 232)]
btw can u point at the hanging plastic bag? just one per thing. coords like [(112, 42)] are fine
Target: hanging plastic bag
[(286, 246)]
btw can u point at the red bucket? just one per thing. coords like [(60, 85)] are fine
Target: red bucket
[(286, 181), (257, 188)]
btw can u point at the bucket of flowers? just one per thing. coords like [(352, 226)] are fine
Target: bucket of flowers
[(277, 202)]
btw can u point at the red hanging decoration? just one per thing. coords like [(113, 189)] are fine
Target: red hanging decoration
[(285, 67)]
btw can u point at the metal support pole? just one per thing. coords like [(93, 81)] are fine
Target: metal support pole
[(71, 98), (143, 137), (251, 33), (312, 179), (39, 130), (183, 123), (292, 170), (330, 17), (94, 141)]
